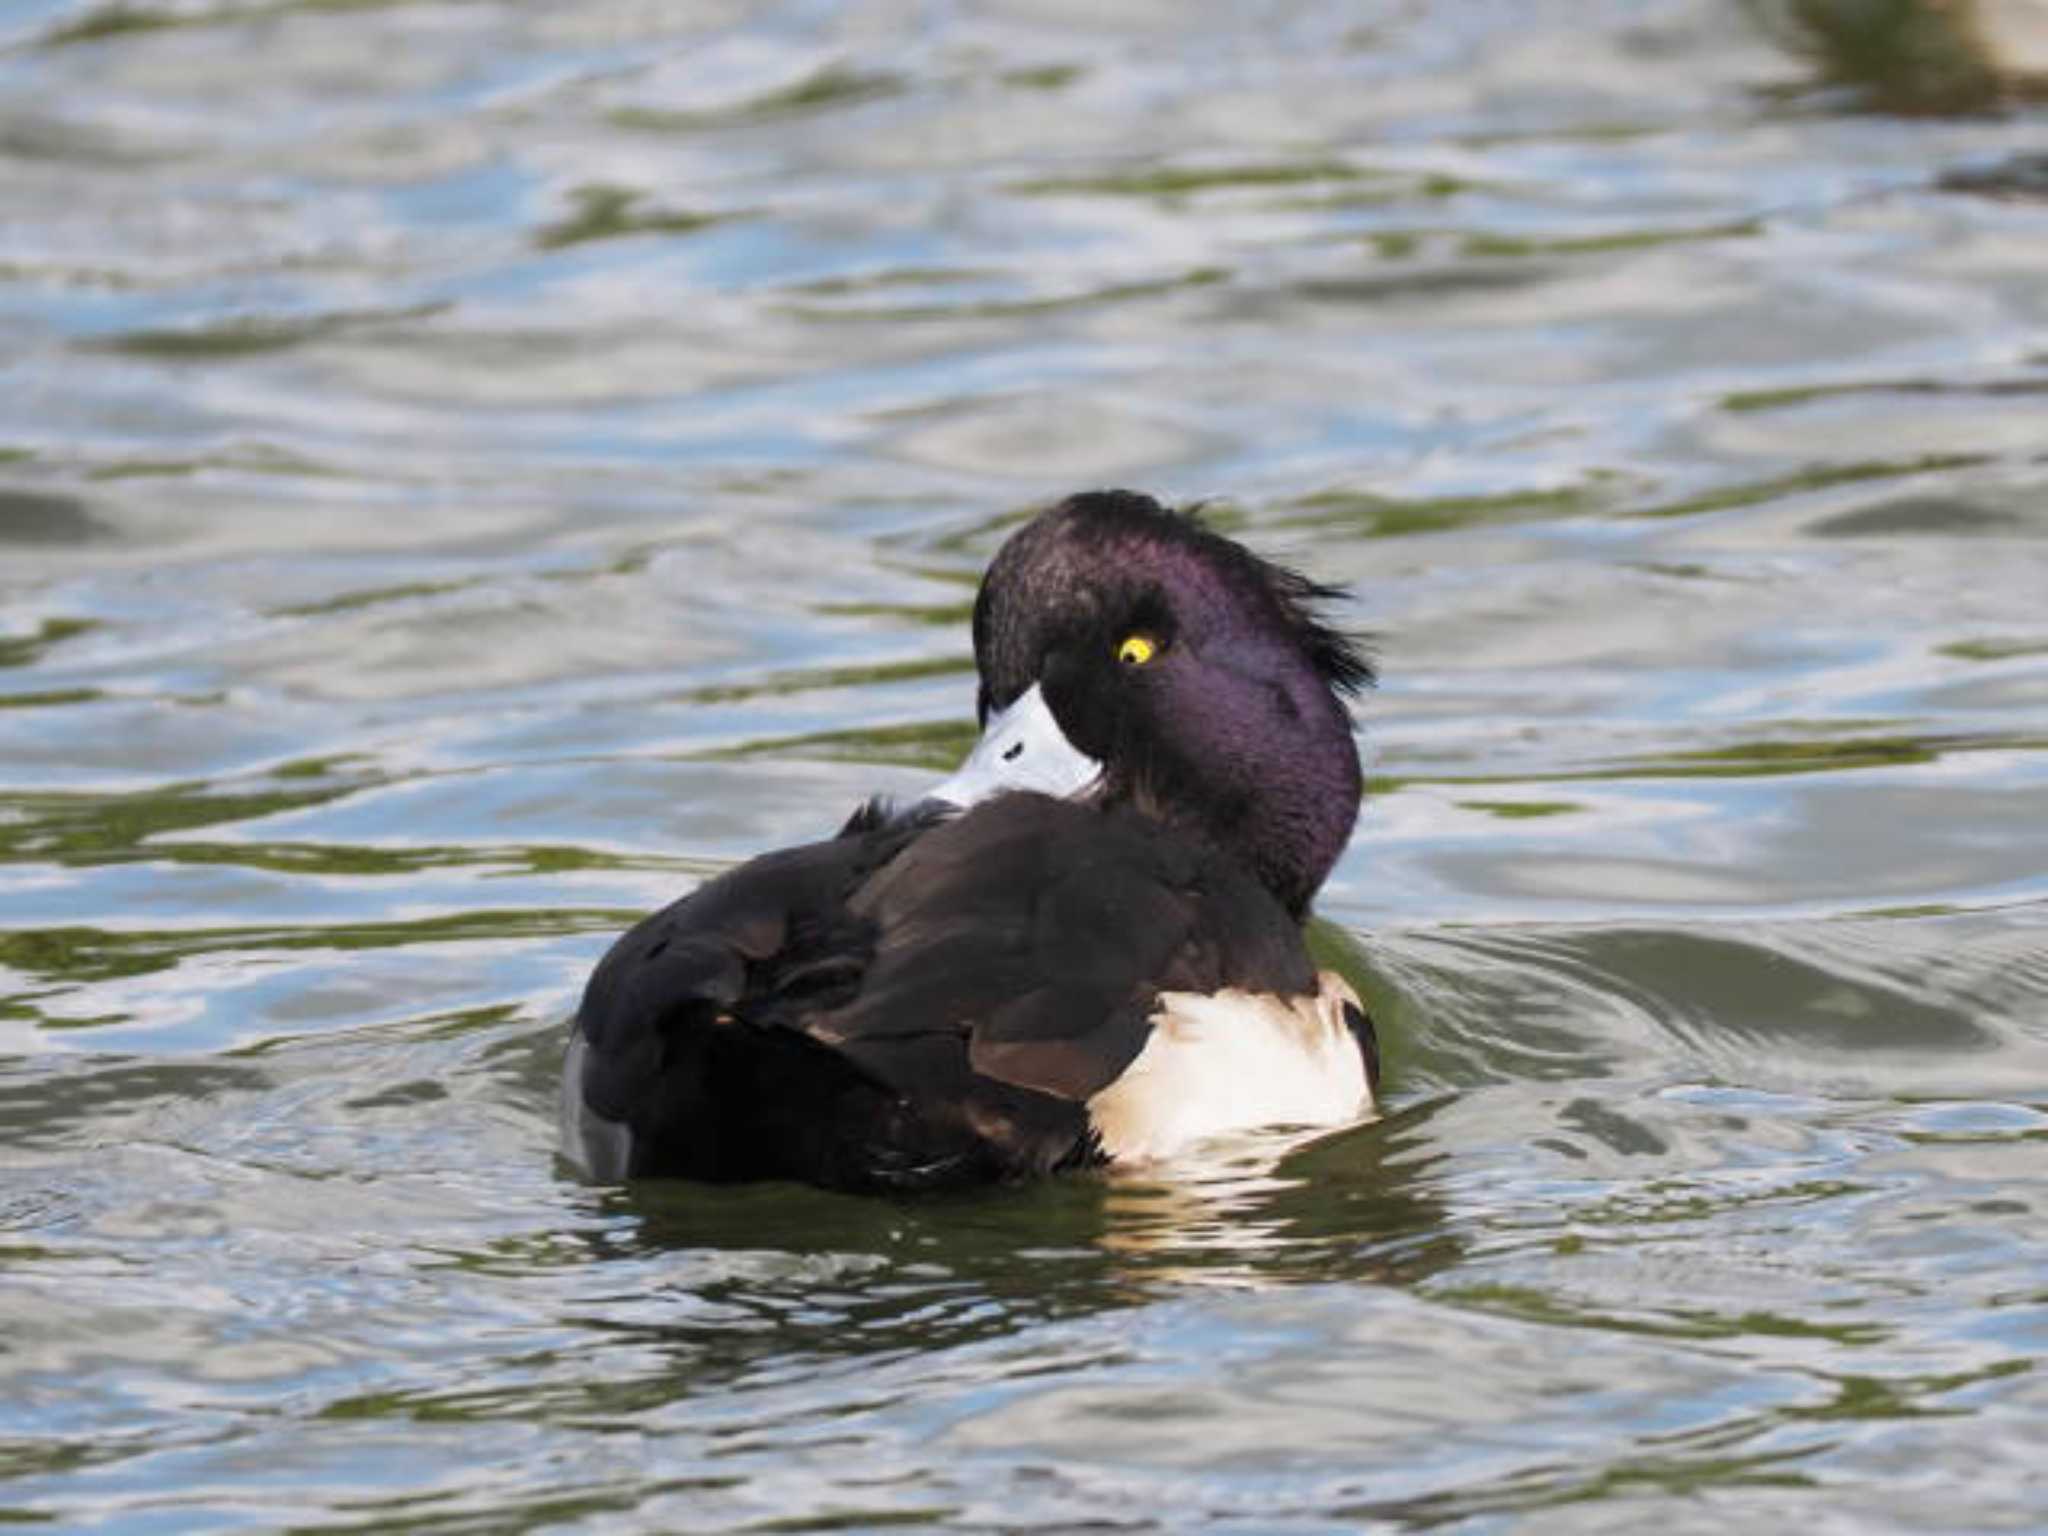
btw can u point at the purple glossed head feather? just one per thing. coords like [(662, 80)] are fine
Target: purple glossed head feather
[(1063, 563), (1238, 732)]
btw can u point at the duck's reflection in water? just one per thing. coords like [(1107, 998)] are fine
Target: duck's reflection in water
[(1279, 1208), (724, 1281)]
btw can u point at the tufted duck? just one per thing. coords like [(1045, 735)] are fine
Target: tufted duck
[(1084, 947)]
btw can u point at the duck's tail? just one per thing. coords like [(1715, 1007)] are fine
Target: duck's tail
[(721, 1100)]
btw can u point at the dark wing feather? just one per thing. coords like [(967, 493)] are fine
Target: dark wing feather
[(911, 1004), (686, 1051), (1040, 933)]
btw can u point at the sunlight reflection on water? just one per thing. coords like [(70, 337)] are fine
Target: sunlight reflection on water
[(469, 472)]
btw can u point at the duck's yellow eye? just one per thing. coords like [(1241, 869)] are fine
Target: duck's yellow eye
[(1136, 650)]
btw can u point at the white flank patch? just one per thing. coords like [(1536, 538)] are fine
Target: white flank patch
[(1234, 1061)]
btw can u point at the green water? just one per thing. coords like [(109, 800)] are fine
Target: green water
[(467, 471)]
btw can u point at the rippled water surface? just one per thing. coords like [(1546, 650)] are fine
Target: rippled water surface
[(467, 471)]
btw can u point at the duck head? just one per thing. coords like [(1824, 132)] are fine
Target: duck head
[(1133, 657)]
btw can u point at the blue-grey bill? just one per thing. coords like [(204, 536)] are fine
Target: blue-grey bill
[(1021, 748)]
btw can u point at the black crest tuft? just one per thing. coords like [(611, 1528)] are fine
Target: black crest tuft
[(1340, 656)]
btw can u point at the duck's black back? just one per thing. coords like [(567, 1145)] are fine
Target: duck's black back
[(912, 1003)]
